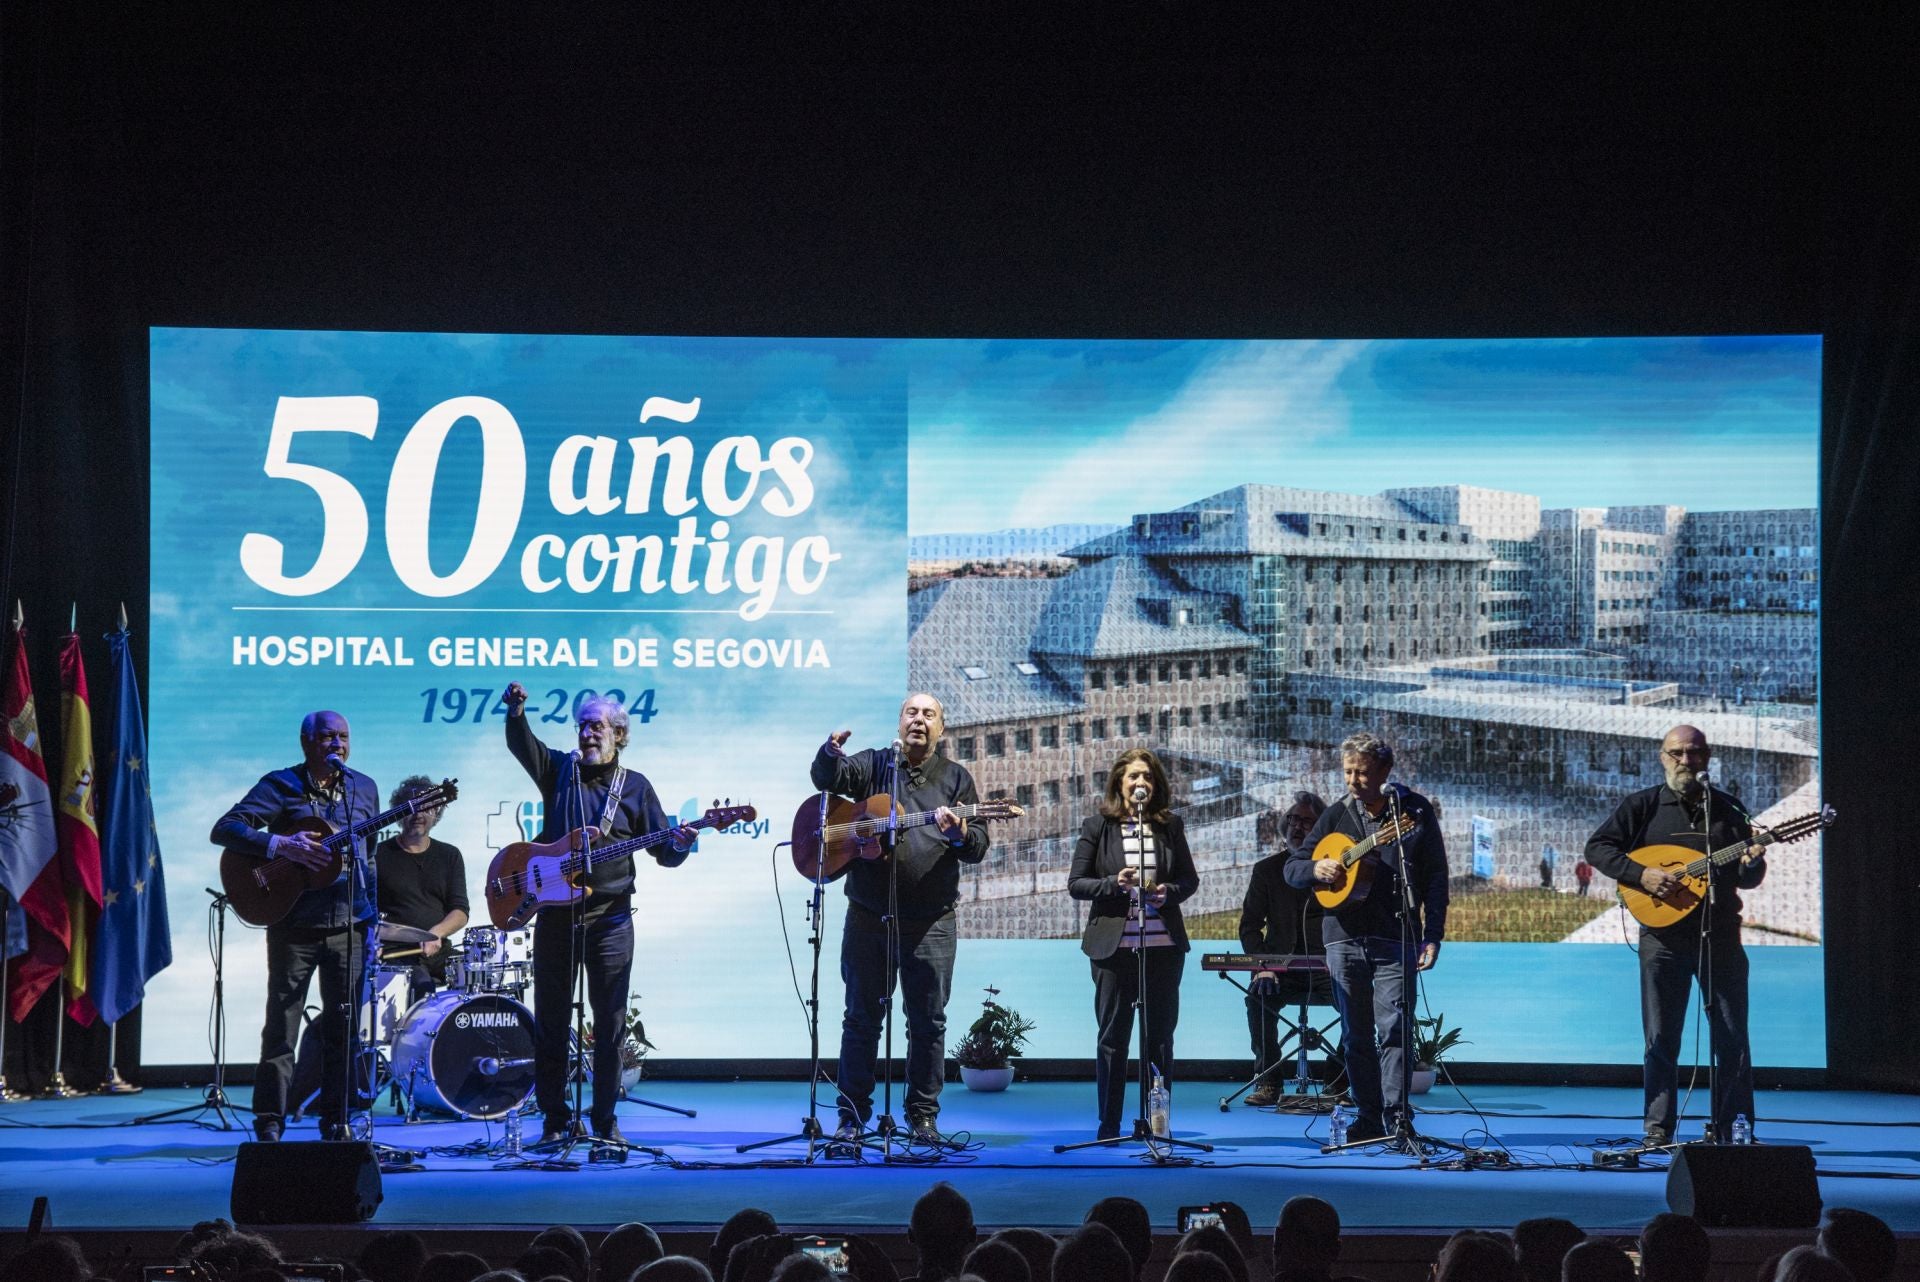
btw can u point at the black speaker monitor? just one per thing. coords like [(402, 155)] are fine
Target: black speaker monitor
[(1769, 1186), (306, 1182)]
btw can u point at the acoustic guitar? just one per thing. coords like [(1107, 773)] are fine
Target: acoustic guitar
[(1358, 860), (1693, 868), (262, 890), (859, 829), (528, 876)]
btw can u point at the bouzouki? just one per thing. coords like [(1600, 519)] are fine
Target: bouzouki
[(1358, 860), (262, 891), (1692, 867), (528, 876), (859, 829)]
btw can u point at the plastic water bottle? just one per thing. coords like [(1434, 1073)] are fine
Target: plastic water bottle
[(1159, 1107), (1742, 1130), (513, 1133), (1337, 1126)]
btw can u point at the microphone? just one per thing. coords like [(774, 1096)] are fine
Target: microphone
[(488, 1066), (898, 746), (1140, 794), (336, 761)]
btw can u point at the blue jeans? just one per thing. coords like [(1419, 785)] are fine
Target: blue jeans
[(1369, 982), (926, 977)]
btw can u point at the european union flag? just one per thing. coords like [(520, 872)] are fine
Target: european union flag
[(134, 942)]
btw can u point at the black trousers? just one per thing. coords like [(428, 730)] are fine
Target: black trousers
[(1669, 967), (294, 953), (607, 957), (1116, 983), (925, 979)]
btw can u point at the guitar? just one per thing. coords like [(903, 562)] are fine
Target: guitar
[(858, 829), (262, 891), (1692, 868), (1358, 859), (528, 876)]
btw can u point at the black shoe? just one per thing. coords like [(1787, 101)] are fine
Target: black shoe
[(267, 1130), (609, 1131), (1108, 1131), (1364, 1130), (1657, 1137), (924, 1131), (848, 1132)]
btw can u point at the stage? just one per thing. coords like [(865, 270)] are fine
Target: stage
[(102, 1170)]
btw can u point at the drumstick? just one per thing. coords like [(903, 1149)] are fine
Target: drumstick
[(404, 952)]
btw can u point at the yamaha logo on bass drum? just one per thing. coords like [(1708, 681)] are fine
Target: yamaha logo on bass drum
[(485, 1019)]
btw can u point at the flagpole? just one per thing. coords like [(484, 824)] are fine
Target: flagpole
[(116, 1084), (58, 1088)]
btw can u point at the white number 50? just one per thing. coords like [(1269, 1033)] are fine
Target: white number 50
[(344, 514)]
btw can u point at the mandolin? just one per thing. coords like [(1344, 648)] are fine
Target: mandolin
[(528, 876), (859, 829), (1692, 868), (1358, 860), (262, 891)]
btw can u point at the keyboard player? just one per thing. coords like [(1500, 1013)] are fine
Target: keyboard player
[(1276, 918)]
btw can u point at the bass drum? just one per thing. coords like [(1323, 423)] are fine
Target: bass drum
[(469, 1054)]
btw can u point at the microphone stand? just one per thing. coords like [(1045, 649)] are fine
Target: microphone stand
[(1405, 1138), (887, 1129), (215, 1096), (363, 1050), (1160, 1148), (810, 1128), (1704, 965)]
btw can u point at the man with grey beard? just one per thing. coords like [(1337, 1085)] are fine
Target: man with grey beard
[(1673, 957)]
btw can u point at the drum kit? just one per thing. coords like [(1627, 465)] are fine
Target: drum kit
[(467, 1049)]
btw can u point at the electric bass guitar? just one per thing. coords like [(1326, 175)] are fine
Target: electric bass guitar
[(1358, 860), (859, 829), (262, 891), (1693, 868), (528, 876)]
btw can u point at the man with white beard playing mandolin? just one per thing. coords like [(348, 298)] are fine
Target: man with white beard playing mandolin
[(1671, 956), (586, 788)]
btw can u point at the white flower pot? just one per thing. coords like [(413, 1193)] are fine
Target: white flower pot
[(1423, 1080), (987, 1079)]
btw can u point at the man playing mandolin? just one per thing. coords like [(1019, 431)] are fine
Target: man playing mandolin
[(927, 865), (324, 930), (1671, 956), (587, 788), (1368, 946)]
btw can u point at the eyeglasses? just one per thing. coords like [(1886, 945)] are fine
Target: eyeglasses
[(1683, 754)]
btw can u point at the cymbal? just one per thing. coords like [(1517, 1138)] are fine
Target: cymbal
[(394, 932)]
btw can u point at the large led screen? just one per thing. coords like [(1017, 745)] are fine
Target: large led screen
[(1519, 562)]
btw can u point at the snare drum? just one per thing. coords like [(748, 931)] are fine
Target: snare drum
[(469, 1054)]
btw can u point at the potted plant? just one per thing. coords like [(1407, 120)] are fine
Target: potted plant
[(984, 1054), (1432, 1041)]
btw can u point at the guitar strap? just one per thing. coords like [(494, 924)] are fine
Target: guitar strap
[(612, 808)]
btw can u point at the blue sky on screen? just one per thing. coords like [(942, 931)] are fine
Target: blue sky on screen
[(1706, 423)]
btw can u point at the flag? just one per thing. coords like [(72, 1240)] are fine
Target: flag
[(77, 817), (134, 942), (29, 848)]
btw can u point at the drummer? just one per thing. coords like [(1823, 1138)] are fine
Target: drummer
[(422, 884)]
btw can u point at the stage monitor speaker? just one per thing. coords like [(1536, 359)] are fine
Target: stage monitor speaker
[(306, 1182), (1748, 1186)]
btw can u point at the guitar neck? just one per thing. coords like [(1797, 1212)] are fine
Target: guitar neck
[(584, 861), (1792, 830), (353, 832)]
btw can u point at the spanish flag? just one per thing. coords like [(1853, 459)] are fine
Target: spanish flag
[(77, 814)]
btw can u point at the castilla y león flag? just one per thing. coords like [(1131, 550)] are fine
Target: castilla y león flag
[(77, 815), (29, 850)]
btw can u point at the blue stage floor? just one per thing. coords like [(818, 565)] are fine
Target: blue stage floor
[(102, 1171)]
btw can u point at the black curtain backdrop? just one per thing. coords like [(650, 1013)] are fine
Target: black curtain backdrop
[(1182, 170)]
